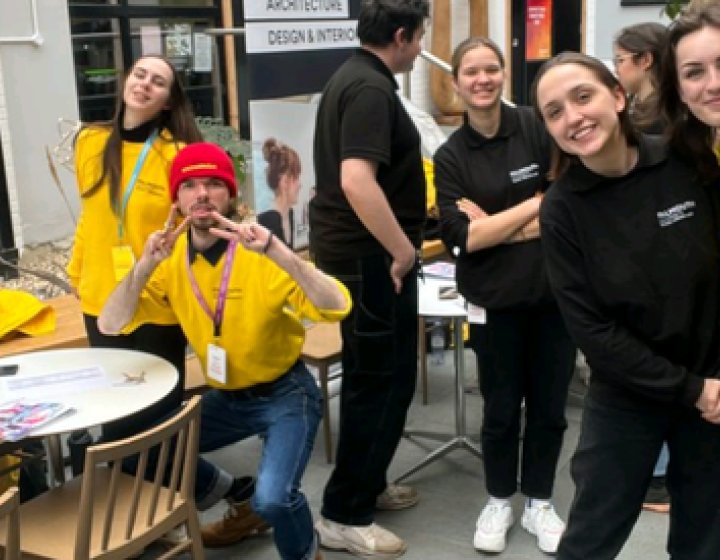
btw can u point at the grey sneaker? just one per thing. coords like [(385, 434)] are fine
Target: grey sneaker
[(492, 527), (544, 523), (397, 496), (371, 541)]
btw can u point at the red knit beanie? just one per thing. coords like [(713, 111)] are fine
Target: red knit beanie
[(202, 160)]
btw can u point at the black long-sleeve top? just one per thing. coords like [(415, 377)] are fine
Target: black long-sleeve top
[(634, 263), (496, 173)]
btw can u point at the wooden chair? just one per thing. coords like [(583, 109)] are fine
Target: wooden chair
[(322, 348), (109, 515), (9, 503)]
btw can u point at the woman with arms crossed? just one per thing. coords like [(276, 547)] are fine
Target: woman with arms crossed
[(630, 236), (490, 176)]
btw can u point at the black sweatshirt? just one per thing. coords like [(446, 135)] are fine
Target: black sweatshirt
[(496, 173), (634, 264)]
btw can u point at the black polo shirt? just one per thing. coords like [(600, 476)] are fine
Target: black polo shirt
[(496, 173), (361, 116), (634, 262)]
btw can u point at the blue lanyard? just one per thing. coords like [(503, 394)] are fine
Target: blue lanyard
[(133, 179)]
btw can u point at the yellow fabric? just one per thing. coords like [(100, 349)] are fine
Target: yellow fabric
[(430, 196), (12, 477), (90, 268), (23, 312), (262, 330)]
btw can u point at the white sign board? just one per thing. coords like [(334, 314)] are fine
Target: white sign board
[(295, 9), (268, 37)]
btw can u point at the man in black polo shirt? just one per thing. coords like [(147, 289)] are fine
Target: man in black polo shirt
[(366, 225)]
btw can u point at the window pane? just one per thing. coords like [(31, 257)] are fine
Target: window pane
[(98, 64)]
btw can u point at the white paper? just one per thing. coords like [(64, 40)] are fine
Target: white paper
[(202, 58), (151, 39), (56, 383)]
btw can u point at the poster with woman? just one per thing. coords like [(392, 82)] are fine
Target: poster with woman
[(282, 172)]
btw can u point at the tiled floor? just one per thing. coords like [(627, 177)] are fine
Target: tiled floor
[(452, 492)]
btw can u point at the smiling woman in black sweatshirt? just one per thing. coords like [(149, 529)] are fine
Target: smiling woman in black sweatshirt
[(630, 238)]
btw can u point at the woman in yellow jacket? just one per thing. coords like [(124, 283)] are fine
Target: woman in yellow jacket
[(122, 171)]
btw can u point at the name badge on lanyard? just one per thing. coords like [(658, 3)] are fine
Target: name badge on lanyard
[(123, 260), (216, 366)]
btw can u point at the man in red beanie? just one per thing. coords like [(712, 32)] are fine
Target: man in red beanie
[(240, 297)]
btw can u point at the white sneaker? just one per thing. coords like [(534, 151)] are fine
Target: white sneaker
[(543, 522), (371, 541), (492, 527)]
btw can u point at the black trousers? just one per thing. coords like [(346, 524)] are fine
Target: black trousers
[(612, 468), (523, 354), (166, 341), (379, 373)]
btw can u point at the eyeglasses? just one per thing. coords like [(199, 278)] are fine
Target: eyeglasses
[(618, 60)]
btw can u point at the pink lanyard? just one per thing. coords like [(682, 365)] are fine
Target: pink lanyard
[(216, 317)]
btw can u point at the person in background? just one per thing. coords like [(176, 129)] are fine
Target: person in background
[(630, 237), (240, 296), (283, 178), (490, 176), (366, 224), (122, 174), (122, 169), (637, 55)]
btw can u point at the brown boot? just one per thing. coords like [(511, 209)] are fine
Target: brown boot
[(238, 523)]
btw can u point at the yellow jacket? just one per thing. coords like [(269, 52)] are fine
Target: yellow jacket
[(90, 268), (262, 329)]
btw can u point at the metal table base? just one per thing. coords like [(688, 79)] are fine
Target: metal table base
[(460, 439)]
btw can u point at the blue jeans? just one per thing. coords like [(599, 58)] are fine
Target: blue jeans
[(287, 411)]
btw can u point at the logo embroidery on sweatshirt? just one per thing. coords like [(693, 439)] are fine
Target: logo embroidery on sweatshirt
[(675, 213), (524, 173)]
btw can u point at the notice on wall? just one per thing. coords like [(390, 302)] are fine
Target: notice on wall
[(178, 40), (151, 39), (538, 30), (295, 9), (202, 58), (267, 37)]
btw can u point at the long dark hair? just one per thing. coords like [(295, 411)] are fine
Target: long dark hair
[(690, 137), (559, 160), (177, 118), (645, 39)]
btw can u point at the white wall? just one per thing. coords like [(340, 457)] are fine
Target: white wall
[(37, 87), (610, 17)]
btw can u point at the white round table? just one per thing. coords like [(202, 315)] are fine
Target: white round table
[(105, 398)]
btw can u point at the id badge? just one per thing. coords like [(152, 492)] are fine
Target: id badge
[(476, 315), (217, 363), (123, 260)]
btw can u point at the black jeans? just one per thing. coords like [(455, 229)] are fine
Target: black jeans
[(379, 372), (612, 467), (523, 354), (165, 341)]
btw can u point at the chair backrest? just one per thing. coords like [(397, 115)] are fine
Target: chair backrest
[(155, 497), (9, 502)]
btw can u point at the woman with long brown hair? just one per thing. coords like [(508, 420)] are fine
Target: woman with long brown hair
[(122, 171), (629, 233)]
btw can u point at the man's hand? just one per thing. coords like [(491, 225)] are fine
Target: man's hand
[(401, 265), (253, 237), (160, 243), (709, 401)]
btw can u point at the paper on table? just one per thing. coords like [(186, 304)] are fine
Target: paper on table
[(56, 383)]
